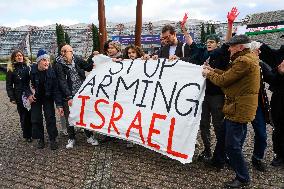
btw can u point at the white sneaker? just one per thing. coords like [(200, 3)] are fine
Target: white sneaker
[(70, 144), (92, 141)]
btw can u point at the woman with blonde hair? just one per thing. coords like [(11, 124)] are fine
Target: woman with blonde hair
[(14, 87)]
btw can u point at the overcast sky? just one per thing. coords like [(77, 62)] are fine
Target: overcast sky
[(14, 13)]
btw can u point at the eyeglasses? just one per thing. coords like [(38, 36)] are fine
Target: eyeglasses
[(64, 52), (165, 38)]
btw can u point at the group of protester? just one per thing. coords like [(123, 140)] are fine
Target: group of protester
[(235, 93)]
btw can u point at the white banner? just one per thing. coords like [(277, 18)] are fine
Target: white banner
[(154, 103)]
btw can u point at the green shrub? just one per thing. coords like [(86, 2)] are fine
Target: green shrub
[(2, 76)]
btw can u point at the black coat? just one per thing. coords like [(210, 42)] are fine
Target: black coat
[(14, 82), (266, 76), (273, 58), (63, 74), (164, 51), (219, 58), (50, 85)]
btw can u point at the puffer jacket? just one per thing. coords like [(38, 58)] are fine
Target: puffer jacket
[(240, 84), (14, 81)]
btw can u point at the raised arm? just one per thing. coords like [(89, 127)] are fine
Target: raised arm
[(188, 38), (231, 16)]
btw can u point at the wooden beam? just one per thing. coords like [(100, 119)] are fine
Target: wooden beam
[(138, 26), (102, 24)]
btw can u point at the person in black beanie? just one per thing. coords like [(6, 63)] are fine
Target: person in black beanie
[(44, 82)]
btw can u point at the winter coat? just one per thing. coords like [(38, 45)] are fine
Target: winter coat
[(266, 76), (50, 85), (273, 58), (63, 74), (165, 51), (240, 84), (218, 58), (14, 81)]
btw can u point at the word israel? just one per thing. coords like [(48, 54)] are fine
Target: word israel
[(154, 103)]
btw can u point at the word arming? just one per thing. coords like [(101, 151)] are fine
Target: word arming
[(175, 96)]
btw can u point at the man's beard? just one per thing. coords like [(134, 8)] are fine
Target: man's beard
[(171, 43)]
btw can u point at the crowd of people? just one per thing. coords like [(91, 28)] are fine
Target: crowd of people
[(235, 95)]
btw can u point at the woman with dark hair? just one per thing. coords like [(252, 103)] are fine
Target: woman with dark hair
[(106, 46), (133, 52), (14, 87)]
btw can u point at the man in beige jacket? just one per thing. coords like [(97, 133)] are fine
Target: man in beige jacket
[(240, 83)]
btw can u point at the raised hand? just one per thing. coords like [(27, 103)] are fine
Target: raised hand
[(231, 16), (184, 20)]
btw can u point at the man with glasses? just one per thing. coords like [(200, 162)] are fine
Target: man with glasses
[(172, 48), (70, 70)]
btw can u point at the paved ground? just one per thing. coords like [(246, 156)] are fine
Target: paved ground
[(109, 165)]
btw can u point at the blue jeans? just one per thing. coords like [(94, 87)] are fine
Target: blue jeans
[(260, 136), (235, 134), (229, 143)]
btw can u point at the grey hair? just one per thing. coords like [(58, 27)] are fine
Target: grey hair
[(254, 45), (247, 45)]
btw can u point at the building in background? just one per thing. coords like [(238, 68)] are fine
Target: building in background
[(267, 27)]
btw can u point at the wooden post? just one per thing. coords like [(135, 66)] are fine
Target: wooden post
[(138, 26), (102, 24), (105, 31)]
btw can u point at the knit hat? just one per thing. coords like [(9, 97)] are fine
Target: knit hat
[(41, 55), (116, 45)]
